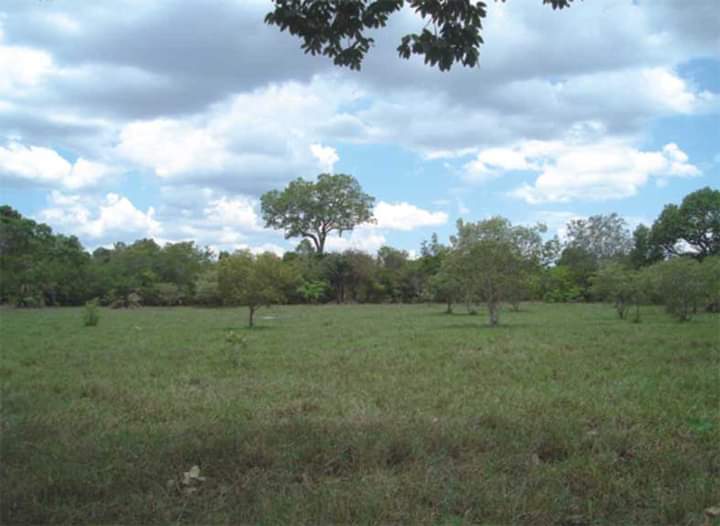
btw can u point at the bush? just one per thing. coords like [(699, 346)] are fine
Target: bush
[(679, 282), (168, 294), (91, 315), (207, 291)]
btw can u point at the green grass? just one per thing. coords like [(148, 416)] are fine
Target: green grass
[(359, 414)]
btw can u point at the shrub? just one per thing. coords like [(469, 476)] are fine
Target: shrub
[(168, 294), (312, 291), (206, 289), (91, 315), (236, 344), (679, 282)]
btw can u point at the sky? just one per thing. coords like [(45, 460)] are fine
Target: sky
[(168, 119)]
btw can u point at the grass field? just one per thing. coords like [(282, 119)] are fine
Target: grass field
[(359, 414)]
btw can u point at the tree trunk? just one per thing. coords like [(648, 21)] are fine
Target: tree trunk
[(494, 314), (449, 307), (251, 320), (620, 307)]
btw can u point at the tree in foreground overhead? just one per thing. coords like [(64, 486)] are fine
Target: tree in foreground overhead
[(339, 28)]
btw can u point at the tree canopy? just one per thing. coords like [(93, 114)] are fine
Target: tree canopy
[(335, 203), (254, 281), (339, 29), (694, 225)]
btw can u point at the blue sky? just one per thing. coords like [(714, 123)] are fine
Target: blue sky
[(168, 119)]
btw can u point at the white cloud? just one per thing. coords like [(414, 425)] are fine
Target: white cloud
[(404, 216), (22, 68), (111, 219), (327, 156), (45, 166), (598, 171), (233, 212), (363, 238), (250, 143)]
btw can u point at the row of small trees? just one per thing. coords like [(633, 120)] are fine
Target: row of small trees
[(683, 284), (491, 261)]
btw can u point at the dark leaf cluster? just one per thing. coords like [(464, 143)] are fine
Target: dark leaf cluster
[(339, 28)]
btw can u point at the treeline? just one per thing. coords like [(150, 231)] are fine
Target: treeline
[(490, 262)]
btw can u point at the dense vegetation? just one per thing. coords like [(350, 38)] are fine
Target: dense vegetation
[(364, 414), (675, 261)]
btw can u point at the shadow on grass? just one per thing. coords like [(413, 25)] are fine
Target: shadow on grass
[(292, 467), (482, 324), (245, 328)]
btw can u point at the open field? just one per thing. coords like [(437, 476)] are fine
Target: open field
[(363, 414)]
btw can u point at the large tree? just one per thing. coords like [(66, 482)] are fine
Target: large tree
[(339, 28), (605, 237), (692, 227), (334, 203)]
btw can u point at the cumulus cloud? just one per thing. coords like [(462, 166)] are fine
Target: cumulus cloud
[(236, 108), (233, 212), (327, 156), (219, 221), (250, 143), (405, 216), (112, 218), (598, 171), (363, 238), (22, 68), (44, 166)]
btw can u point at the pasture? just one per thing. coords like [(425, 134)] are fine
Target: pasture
[(359, 414)]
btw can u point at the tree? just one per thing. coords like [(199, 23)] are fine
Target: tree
[(693, 227), (338, 28), (644, 251), (614, 283), (604, 237), (581, 266), (558, 285), (446, 285), (488, 259), (254, 281), (711, 279), (336, 270), (38, 267), (679, 282), (314, 209)]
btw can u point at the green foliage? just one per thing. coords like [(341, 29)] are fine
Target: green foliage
[(236, 344), (91, 314), (446, 285), (581, 265), (557, 285), (338, 28), (603, 237), (695, 223), (616, 284), (254, 281), (38, 267), (206, 287), (334, 203), (710, 270), (168, 294), (491, 259), (312, 291), (644, 251), (680, 283)]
